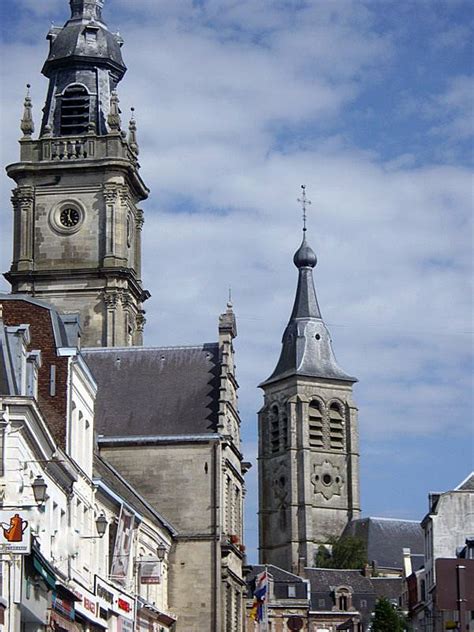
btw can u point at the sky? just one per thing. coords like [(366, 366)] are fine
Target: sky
[(370, 105)]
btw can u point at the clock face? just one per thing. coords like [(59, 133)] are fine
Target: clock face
[(69, 217)]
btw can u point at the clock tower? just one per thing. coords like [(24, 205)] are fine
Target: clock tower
[(77, 221), (308, 437)]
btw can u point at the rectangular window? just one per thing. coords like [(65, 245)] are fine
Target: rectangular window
[(321, 603), (291, 591)]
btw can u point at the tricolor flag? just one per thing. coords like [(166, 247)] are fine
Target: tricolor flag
[(257, 613)]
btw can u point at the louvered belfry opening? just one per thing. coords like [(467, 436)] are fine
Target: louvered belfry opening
[(316, 434), (75, 109)]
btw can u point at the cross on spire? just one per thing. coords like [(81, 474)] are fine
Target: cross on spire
[(304, 202)]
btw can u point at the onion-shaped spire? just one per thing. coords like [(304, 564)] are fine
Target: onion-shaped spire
[(306, 344)]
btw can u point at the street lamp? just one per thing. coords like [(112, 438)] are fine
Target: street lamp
[(39, 489), (101, 526), (161, 551)]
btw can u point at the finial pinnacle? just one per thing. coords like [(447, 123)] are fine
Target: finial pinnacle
[(229, 301), (304, 202), (26, 123), (132, 133)]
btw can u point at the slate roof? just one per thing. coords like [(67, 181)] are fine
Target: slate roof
[(145, 391), (389, 587), (323, 579), (69, 42), (106, 473), (385, 539), (306, 344), (281, 580), (467, 485)]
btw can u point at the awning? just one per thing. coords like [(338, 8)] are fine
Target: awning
[(44, 568), (151, 611)]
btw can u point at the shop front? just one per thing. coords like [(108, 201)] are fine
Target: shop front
[(38, 585), (63, 613)]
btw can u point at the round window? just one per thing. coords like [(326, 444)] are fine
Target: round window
[(327, 479)]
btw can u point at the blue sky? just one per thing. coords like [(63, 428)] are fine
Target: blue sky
[(370, 104)]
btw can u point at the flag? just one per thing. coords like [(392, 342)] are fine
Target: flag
[(257, 611)]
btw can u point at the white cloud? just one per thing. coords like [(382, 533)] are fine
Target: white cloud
[(231, 99)]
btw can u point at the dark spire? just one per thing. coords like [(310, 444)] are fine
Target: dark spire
[(306, 344), (86, 39), (84, 66), (88, 9)]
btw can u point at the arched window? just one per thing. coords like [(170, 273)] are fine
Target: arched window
[(75, 107), (336, 427), (274, 429), (315, 419)]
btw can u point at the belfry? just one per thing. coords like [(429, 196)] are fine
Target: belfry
[(77, 223), (308, 436)]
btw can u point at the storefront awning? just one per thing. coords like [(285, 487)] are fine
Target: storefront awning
[(44, 568)]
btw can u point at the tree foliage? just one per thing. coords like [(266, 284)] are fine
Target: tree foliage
[(387, 618), (346, 552)]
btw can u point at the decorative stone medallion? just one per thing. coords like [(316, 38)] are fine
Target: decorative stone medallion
[(327, 480)]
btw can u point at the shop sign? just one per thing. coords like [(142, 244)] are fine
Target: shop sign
[(105, 594), (15, 536), (150, 571), (125, 607), (87, 604), (114, 600)]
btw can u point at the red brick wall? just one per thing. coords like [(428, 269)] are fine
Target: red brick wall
[(53, 408)]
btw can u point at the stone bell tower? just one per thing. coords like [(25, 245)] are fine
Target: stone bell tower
[(308, 437), (77, 223)]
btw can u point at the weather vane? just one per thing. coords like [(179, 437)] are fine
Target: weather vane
[(303, 201)]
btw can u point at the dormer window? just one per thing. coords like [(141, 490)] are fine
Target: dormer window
[(75, 110), (343, 598), (90, 33)]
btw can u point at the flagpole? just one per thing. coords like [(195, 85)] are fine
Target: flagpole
[(265, 604)]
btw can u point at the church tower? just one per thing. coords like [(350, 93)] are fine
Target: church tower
[(77, 223), (308, 437)]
